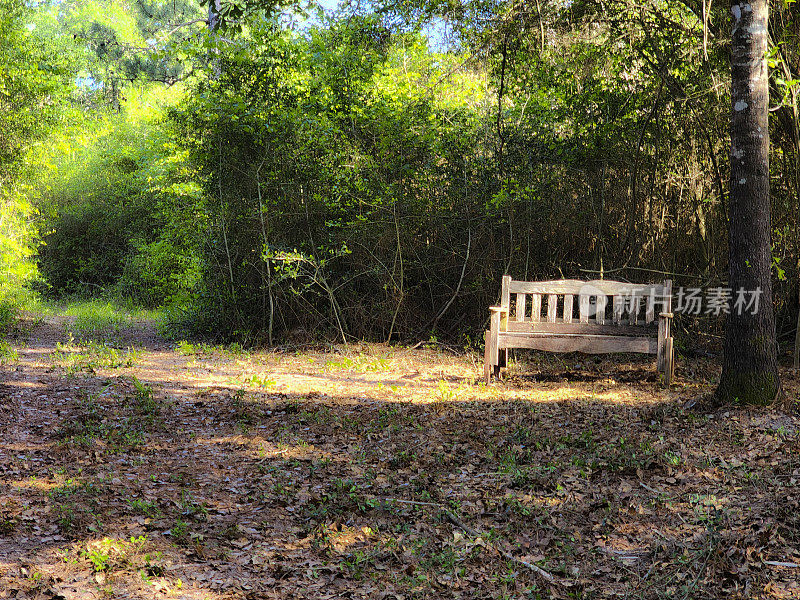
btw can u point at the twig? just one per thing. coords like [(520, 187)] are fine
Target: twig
[(177, 26), (435, 321), (699, 573), (413, 502), (507, 555), (621, 554), (649, 489), (606, 271), (475, 533), (449, 347), (777, 563)]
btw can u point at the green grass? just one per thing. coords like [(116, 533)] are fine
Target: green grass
[(95, 320), (185, 348), (92, 357), (108, 554), (258, 380), (8, 354), (360, 363), (8, 315), (42, 307)]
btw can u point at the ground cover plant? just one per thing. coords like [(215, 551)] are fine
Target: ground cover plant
[(381, 472)]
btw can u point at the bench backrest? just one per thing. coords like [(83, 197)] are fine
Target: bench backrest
[(573, 306)]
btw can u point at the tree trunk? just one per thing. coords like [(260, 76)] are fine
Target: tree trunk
[(749, 368)]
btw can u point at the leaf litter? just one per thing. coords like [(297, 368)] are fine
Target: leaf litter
[(380, 472)]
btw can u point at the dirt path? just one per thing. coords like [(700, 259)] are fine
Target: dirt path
[(374, 472)]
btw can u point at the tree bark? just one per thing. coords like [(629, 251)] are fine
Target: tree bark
[(749, 368)]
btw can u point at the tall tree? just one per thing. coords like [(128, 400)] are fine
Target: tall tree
[(749, 368), (125, 43)]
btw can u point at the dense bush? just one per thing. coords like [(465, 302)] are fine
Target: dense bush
[(345, 180), (32, 86), (116, 215), (355, 184)]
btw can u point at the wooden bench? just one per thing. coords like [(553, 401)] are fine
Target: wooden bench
[(594, 317)]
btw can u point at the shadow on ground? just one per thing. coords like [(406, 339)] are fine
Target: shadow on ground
[(215, 475)]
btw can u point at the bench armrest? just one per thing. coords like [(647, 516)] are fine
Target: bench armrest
[(499, 309), (665, 315)]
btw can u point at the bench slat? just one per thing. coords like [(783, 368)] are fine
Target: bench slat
[(568, 308), (552, 305), (633, 309), (583, 308), (588, 328), (505, 291), (575, 287), (536, 308), (521, 307), (600, 315), (650, 310), (589, 344)]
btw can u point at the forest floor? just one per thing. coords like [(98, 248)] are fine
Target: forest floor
[(133, 467)]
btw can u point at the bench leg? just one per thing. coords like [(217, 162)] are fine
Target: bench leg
[(487, 364), (492, 358), (669, 362), (665, 360)]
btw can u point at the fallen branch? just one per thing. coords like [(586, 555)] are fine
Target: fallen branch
[(649, 489), (777, 563), (412, 502), (507, 555), (475, 533)]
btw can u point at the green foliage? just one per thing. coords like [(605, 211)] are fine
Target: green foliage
[(32, 84), (119, 44), (144, 507), (95, 321), (92, 357), (159, 272), (31, 78), (108, 554), (120, 210), (17, 268), (180, 532), (233, 350), (8, 354), (9, 307), (143, 399), (346, 180), (361, 363), (339, 163)]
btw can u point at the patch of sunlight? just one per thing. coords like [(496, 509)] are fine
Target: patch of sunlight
[(26, 384), (43, 307), (563, 393), (33, 484), (546, 502)]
